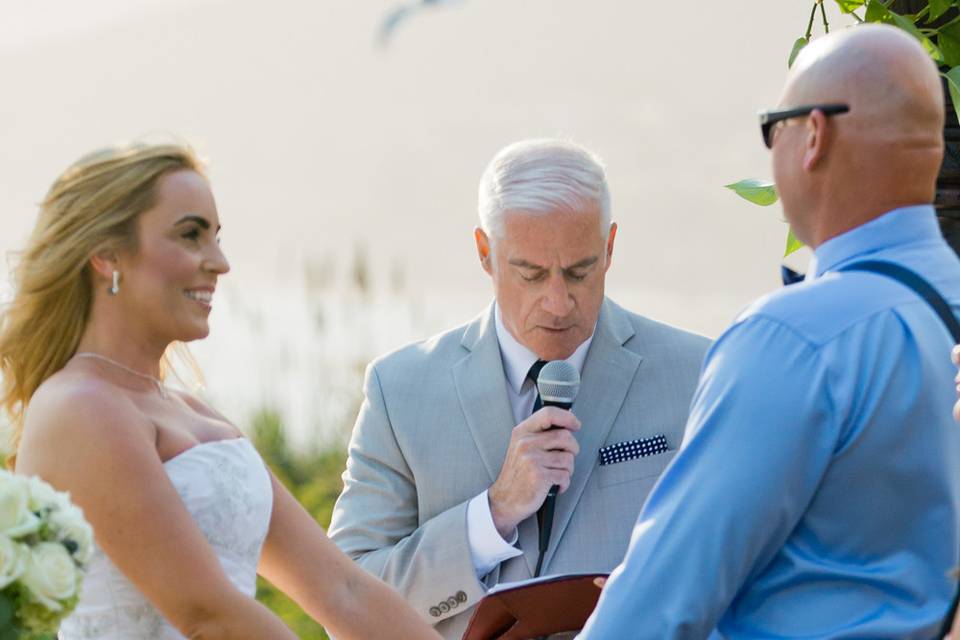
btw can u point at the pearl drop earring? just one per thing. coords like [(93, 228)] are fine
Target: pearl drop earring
[(115, 286)]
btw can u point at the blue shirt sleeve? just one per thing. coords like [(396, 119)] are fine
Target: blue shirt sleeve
[(759, 438)]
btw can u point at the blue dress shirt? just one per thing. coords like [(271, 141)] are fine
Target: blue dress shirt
[(817, 490)]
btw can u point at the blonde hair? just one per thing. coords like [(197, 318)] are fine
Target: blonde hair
[(93, 205)]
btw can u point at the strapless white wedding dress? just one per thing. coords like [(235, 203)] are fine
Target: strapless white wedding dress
[(226, 488)]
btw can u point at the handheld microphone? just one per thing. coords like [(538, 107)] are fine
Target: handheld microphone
[(557, 384)]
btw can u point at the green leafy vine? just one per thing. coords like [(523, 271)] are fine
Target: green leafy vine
[(936, 25)]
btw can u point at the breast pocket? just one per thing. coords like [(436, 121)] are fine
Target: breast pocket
[(636, 469)]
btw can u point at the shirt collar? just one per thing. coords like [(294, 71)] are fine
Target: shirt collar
[(897, 227), (517, 359)]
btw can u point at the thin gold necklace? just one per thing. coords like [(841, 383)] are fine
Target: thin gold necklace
[(97, 356)]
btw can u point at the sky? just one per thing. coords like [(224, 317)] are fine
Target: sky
[(323, 145)]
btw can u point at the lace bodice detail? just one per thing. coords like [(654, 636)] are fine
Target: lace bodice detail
[(226, 488)]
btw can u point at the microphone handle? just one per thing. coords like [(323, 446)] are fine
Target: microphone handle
[(555, 489), (545, 513)]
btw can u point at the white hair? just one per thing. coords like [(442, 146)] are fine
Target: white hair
[(539, 177)]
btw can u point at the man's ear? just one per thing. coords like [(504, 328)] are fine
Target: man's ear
[(611, 236), (483, 249), (816, 140)]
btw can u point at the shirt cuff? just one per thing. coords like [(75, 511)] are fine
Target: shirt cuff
[(487, 546)]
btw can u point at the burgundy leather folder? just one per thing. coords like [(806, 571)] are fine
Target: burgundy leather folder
[(535, 608)]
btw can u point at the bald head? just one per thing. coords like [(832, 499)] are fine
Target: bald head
[(840, 172), (889, 81)]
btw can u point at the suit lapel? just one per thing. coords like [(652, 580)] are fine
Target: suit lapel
[(482, 389), (608, 373)]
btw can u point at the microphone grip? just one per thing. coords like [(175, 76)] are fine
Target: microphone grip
[(546, 519), (545, 513), (555, 489)]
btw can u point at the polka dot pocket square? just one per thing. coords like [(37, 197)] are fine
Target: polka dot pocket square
[(633, 449)]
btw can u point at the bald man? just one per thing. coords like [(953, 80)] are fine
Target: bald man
[(817, 490)]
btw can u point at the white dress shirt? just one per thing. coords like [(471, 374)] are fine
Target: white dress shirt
[(487, 547)]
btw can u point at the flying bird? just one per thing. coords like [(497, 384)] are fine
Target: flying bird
[(402, 12)]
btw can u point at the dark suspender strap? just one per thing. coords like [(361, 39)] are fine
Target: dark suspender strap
[(923, 288), (926, 291)]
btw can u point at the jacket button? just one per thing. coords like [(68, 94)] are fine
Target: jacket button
[(461, 597), (452, 602), (435, 612)]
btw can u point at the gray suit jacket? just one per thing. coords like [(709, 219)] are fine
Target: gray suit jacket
[(433, 433)]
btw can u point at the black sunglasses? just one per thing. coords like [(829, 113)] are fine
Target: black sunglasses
[(770, 118)]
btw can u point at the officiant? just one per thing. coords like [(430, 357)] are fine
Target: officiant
[(452, 454)]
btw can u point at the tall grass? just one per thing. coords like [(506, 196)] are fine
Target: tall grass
[(314, 480)]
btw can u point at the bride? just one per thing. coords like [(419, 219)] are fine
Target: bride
[(123, 262)]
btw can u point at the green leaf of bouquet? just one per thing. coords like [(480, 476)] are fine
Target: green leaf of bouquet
[(792, 244), (756, 191), (849, 6), (797, 47), (953, 84), (938, 8), (6, 611)]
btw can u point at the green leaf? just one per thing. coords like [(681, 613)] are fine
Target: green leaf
[(792, 244), (6, 611), (906, 24), (938, 8), (949, 39), (756, 191), (953, 84), (933, 50), (876, 12), (797, 47), (849, 6)]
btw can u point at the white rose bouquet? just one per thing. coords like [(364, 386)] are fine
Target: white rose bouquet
[(45, 545)]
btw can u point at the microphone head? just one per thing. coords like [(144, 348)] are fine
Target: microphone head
[(558, 382)]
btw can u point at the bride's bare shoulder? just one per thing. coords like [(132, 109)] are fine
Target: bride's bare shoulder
[(69, 408)]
